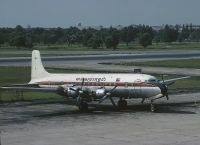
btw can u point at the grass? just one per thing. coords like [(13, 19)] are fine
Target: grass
[(13, 96), (183, 63), (121, 47), (19, 75), (16, 75)]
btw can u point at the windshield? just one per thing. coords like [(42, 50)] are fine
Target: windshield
[(152, 80)]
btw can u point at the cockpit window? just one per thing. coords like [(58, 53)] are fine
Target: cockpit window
[(152, 81)]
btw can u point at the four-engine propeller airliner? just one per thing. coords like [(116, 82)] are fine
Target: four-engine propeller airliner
[(86, 87)]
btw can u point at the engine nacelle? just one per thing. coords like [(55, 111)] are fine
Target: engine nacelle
[(72, 93), (67, 92), (100, 93)]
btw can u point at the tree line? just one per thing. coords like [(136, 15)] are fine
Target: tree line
[(97, 38)]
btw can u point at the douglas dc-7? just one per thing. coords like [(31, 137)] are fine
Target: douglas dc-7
[(85, 88)]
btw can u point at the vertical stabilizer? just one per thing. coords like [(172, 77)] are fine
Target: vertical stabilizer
[(37, 69)]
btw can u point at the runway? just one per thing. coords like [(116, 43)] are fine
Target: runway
[(58, 123), (94, 59)]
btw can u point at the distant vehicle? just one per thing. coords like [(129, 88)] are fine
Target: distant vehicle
[(88, 87)]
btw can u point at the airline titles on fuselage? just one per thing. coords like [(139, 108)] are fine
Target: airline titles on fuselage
[(103, 79)]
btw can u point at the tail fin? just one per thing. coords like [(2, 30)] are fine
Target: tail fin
[(37, 69)]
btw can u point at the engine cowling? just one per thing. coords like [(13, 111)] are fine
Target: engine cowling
[(61, 91), (100, 93), (72, 93), (67, 92)]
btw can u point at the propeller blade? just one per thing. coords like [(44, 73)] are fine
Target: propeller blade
[(82, 83), (112, 89), (162, 78), (79, 92), (112, 101), (167, 96), (78, 100), (143, 99), (164, 89), (73, 89), (103, 98), (108, 95)]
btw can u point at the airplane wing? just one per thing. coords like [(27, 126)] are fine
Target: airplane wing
[(29, 87), (172, 81)]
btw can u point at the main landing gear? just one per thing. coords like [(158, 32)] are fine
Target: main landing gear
[(122, 104), (83, 106), (152, 107)]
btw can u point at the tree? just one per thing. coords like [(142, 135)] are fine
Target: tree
[(145, 39), (95, 42), (18, 41), (29, 43), (87, 35), (115, 39), (195, 36), (169, 34), (127, 34), (157, 38), (112, 41), (1, 39), (108, 42)]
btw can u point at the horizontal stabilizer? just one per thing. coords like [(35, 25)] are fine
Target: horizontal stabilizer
[(28, 87)]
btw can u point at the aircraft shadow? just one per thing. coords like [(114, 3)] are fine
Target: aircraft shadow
[(95, 111), (109, 110), (146, 108)]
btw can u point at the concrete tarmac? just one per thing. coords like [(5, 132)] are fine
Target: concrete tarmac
[(60, 124)]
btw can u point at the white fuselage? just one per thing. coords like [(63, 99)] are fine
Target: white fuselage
[(128, 85)]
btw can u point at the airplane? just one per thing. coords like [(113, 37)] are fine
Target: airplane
[(89, 87)]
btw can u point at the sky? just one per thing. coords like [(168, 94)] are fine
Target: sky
[(66, 13)]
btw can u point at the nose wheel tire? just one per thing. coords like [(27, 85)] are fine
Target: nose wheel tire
[(83, 107), (122, 104)]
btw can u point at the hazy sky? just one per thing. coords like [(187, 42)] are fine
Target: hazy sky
[(65, 13)]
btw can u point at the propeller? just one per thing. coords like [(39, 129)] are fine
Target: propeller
[(79, 92), (164, 88), (108, 95)]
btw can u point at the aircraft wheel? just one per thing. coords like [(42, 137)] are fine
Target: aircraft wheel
[(122, 104), (152, 108), (83, 106)]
